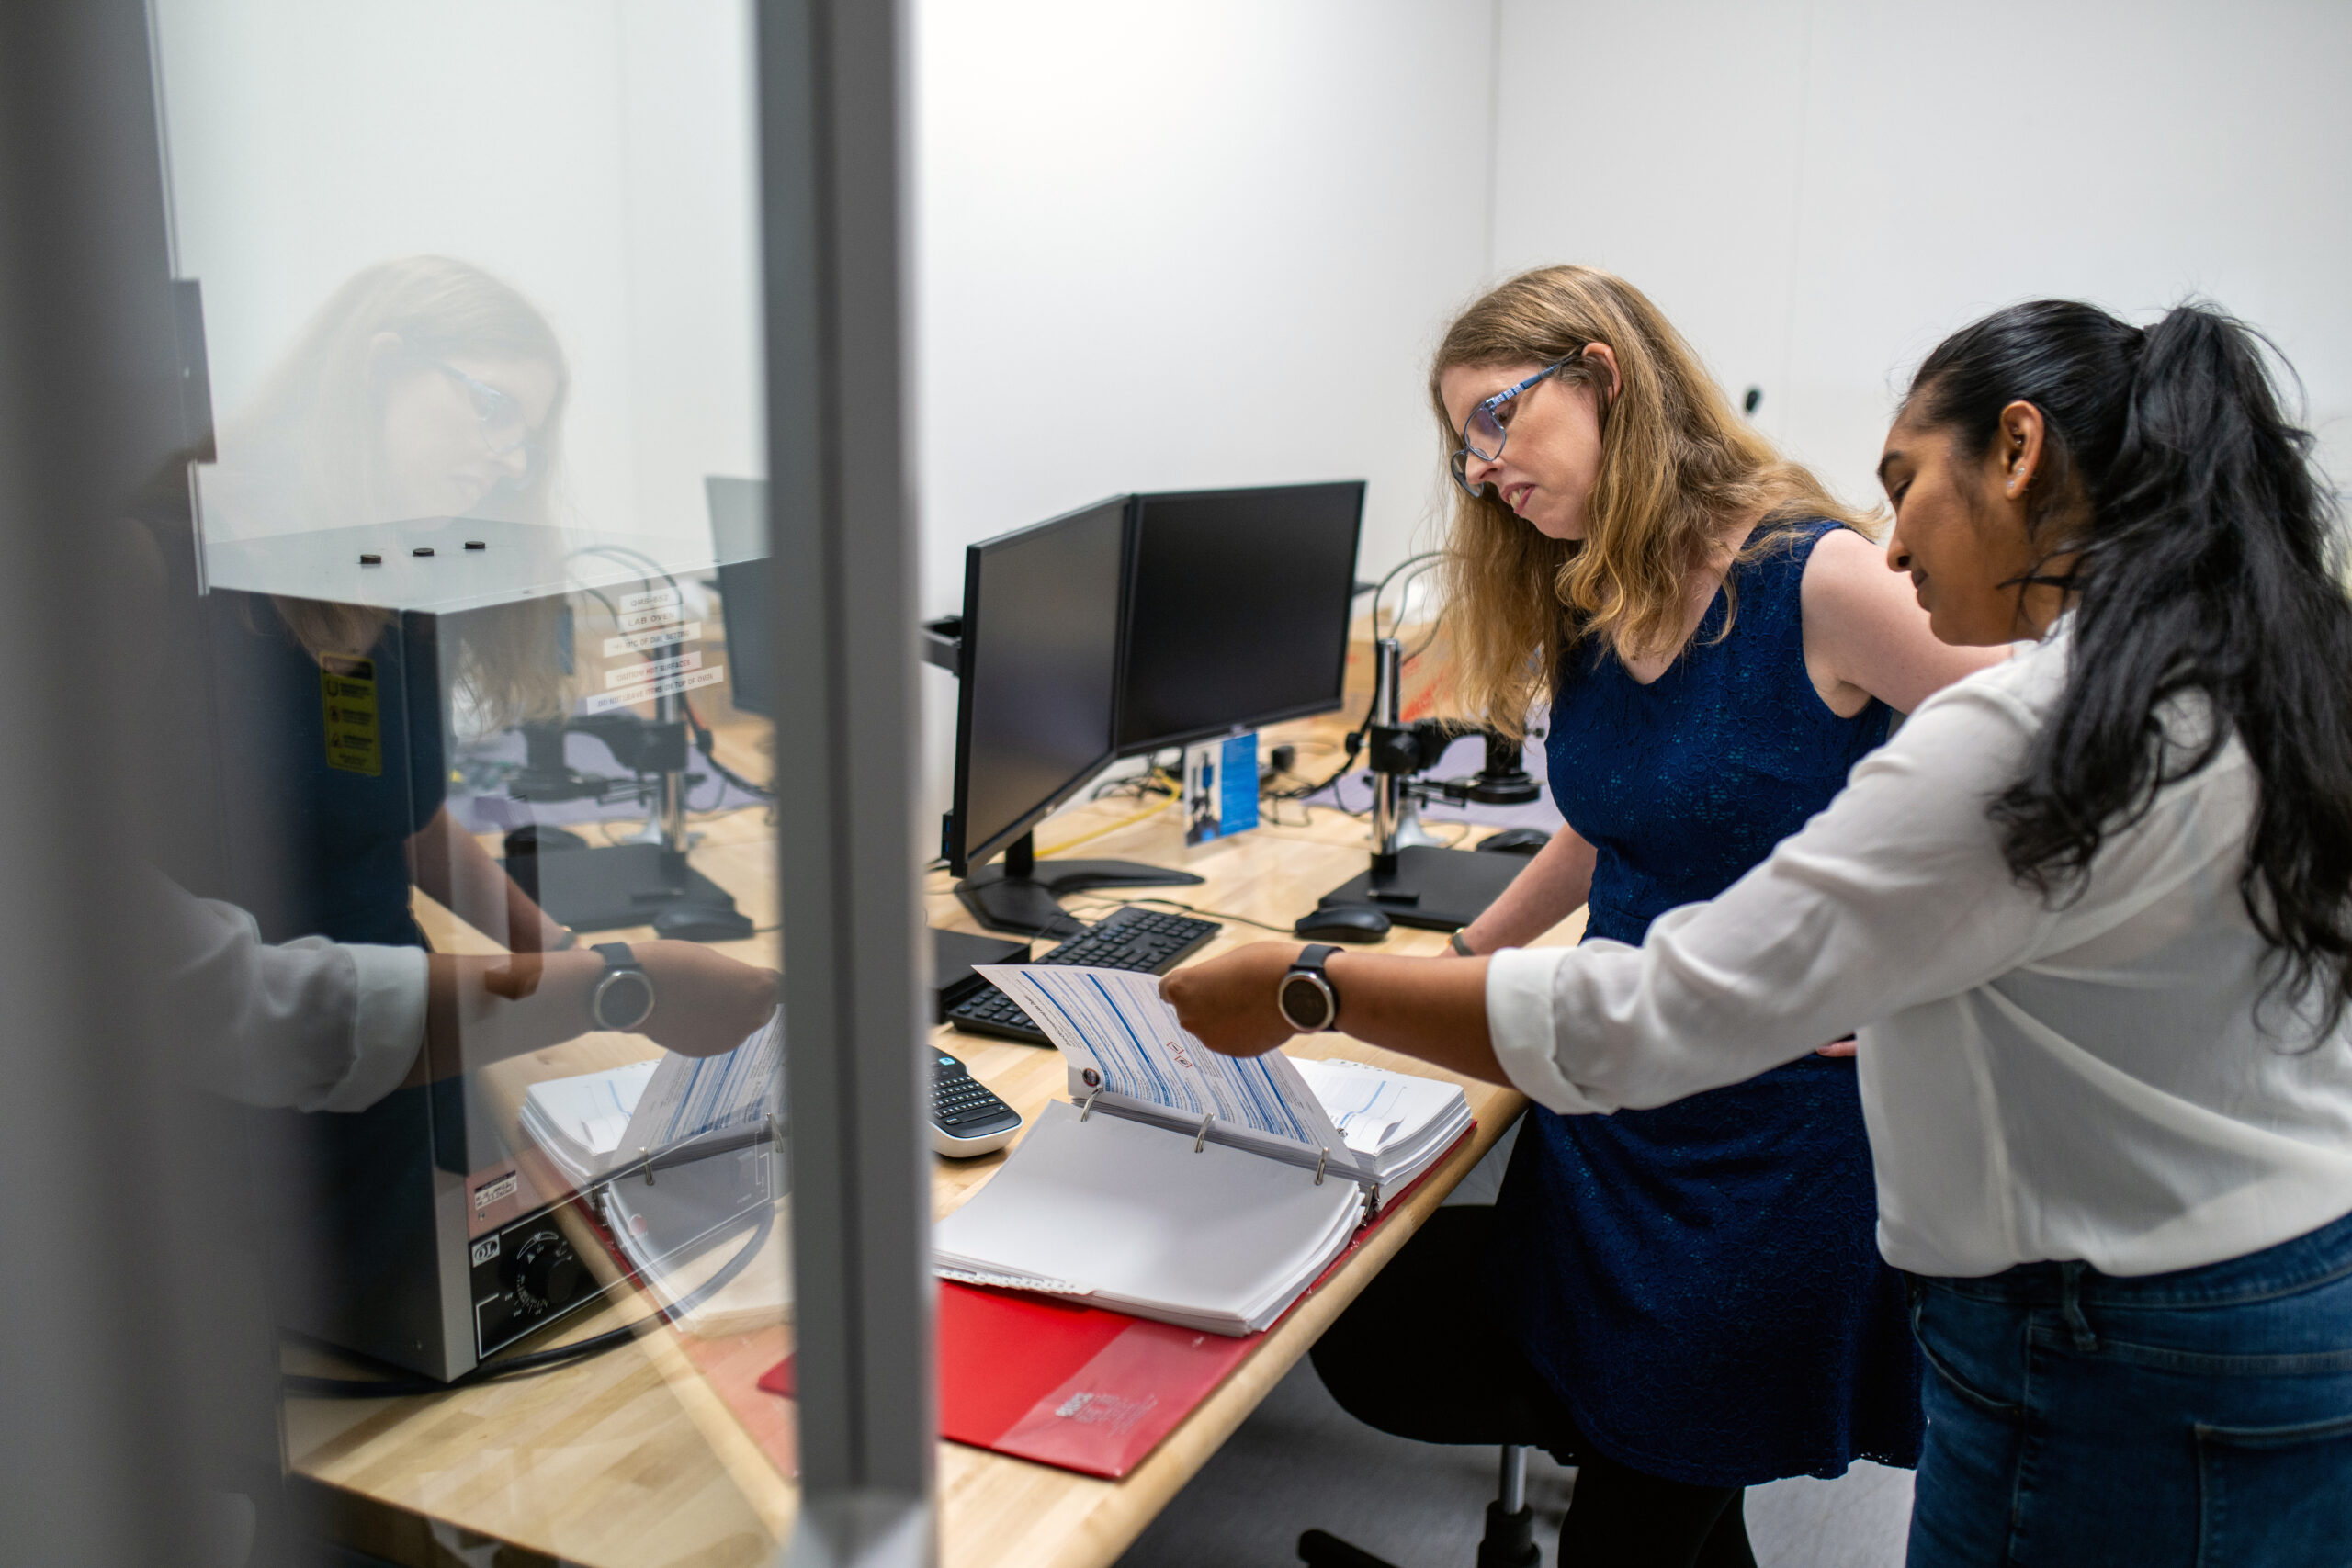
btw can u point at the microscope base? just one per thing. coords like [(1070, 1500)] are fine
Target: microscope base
[(606, 886), (1436, 889)]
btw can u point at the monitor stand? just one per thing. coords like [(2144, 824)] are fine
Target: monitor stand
[(1436, 889), (1020, 894)]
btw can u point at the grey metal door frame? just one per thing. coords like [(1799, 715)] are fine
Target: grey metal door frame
[(833, 190)]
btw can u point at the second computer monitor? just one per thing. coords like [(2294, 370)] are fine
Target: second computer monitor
[(1237, 610), (1040, 664)]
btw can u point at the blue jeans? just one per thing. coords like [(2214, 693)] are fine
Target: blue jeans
[(2197, 1419)]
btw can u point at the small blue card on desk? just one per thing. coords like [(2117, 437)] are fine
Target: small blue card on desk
[(1220, 788)]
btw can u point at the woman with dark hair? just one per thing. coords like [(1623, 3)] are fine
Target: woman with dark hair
[(2090, 912), (1685, 1300)]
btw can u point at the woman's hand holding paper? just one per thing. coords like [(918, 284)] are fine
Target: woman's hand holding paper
[(1227, 1003)]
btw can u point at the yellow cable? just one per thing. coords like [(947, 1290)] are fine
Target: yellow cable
[(1088, 838)]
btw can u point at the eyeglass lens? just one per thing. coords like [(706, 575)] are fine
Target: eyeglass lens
[(1482, 438), (500, 417)]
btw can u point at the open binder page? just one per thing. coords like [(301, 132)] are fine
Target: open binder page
[(1117, 1036), (1128, 1214), (593, 1124), (1400, 1122)]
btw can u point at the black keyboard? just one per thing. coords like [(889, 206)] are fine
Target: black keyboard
[(1144, 941)]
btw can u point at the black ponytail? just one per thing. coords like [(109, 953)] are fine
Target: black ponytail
[(2207, 558)]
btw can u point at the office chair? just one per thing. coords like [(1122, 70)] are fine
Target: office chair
[(1509, 1541)]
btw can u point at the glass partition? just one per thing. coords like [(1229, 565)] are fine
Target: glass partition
[(491, 646)]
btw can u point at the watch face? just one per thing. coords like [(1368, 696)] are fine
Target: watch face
[(623, 999), (1306, 1003)]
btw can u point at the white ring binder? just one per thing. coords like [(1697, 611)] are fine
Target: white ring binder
[(1203, 1135)]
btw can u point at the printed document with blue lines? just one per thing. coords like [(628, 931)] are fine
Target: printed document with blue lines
[(1126, 1051), (1175, 1183)]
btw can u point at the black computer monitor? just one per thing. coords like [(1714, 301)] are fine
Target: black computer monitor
[(1039, 666), (739, 535), (1238, 610), (747, 602)]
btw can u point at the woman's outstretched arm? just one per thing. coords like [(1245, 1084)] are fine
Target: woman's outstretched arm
[(1431, 1008)]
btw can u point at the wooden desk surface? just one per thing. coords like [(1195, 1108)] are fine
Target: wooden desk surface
[(632, 1458)]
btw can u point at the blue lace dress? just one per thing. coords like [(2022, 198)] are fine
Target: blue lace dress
[(1700, 1282)]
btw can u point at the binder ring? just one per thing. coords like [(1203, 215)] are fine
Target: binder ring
[(1203, 1135), (645, 1161), (1087, 1109), (1319, 1163)]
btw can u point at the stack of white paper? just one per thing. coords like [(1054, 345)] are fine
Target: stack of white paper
[(1400, 1122), (592, 1125), (1128, 1214)]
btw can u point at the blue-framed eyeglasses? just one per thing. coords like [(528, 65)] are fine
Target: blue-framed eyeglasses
[(500, 414), (1483, 433)]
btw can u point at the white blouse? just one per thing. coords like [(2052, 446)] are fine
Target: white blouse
[(2088, 1081), (311, 1024)]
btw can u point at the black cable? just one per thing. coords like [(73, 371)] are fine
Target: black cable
[(705, 740), (1409, 561), (763, 1221), (1423, 562), (1205, 914), (1436, 625)]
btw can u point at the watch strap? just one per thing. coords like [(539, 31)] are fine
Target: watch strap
[(1309, 964), (622, 971)]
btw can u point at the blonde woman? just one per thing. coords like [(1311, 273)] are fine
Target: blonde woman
[(1688, 1299), (294, 966), (423, 387)]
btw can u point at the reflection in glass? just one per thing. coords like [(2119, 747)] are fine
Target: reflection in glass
[(489, 958)]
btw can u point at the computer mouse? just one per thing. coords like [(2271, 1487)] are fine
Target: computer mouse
[(1342, 922), (702, 922), (1516, 842)]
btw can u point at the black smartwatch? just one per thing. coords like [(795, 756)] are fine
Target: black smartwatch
[(624, 995), (1304, 993)]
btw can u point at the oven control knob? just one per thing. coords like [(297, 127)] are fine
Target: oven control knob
[(545, 1273)]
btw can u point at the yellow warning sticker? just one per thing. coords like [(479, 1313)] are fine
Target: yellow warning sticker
[(355, 735)]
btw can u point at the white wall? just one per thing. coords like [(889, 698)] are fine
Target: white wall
[(1199, 245), (1165, 246), (595, 153), (1817, 192)]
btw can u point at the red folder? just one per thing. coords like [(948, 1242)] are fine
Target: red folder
[(1077, 1386)]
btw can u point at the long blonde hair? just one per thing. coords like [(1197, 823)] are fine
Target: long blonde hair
[(1678, 469), (305, 455)]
